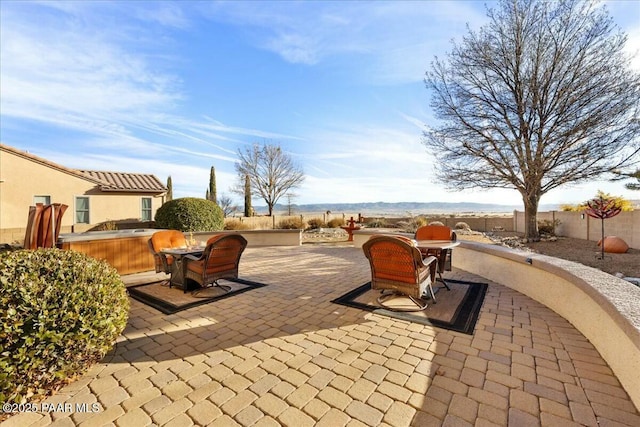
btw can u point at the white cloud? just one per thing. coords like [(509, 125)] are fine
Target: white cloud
[(74, 78), (387, 42), (101, 72)]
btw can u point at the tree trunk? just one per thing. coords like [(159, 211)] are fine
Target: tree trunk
[(247, 196), (531, 218)]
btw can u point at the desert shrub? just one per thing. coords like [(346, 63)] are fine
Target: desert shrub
[(462, 226), (436, 223), (291, 224), (236, 224), (421, 220), (60, 312), (548, 226), (316, 223), (376, 223), (619, 201), (107, 226), (336, 222), (412, 224), (571, 208), (190, 214)]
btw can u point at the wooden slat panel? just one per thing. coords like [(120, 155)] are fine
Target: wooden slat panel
[(127, 255)]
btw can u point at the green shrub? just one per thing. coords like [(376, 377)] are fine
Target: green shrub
[(60, 312), (335, 223), (316, 223), (291, 224), (190, 214)]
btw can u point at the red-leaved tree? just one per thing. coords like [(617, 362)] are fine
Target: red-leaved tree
[(603, 208)]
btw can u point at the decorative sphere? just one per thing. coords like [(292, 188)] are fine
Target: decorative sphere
[(614, 245)]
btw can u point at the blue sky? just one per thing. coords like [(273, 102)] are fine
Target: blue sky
[(173, 88)]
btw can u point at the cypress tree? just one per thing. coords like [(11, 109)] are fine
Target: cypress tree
[(213, 192), (169, 189)]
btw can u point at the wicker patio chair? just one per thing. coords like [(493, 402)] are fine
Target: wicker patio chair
[(438, 232), (219, 260), (398, 269), (163, 240)]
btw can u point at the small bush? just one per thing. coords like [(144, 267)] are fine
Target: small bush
[(235, 224), (291, 224), (462, 226), (436, 223), (412, 224), (548, 226), (107, 226), (335, 223), (315, 223), (190, 214), (60, 312), (376, 223), (420, 221)]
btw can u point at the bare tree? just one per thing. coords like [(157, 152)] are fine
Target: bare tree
[(290, 197), (226, 204), (271, 171), (629, 175), (541, 97)]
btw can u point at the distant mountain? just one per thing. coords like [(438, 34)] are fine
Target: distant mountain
[(400, 208)]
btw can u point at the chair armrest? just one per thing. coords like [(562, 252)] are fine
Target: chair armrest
[(428, 260), (192, 258)]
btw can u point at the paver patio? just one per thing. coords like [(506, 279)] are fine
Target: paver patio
[(285, 355)]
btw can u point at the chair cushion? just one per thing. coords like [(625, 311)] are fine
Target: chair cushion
[(197, 267), (168, 239), (433, 232)]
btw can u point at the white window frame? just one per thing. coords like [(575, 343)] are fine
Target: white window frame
[(75, 210), (150, 209)]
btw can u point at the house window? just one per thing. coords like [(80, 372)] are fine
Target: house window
[(45, 200), (146, 209), (82, 210)]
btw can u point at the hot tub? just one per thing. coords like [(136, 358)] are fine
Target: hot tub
[(126, 250)]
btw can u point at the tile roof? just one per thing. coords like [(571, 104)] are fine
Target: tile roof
[(108, 181), (47, 163), (124, 181)]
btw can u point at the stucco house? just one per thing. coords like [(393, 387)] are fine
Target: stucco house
[(93, 197)]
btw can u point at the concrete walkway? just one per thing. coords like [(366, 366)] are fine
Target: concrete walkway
[(285, 355)]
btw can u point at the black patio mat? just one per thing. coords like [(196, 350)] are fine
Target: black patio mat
[(172, 300), (456, 310)]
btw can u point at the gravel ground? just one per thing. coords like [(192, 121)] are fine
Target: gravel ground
[(583, 251)]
